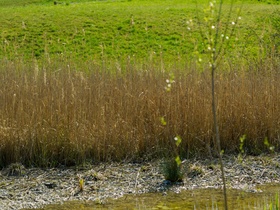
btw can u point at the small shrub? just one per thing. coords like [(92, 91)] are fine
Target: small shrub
[(172, 171)]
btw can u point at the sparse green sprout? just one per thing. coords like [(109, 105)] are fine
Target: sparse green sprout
[(276, 201), (172, 166), (81, 184), (178, 141), (273, 205), (241, 147)]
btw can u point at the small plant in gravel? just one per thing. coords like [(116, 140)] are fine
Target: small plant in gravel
[(81, 184), (172, 171), (172, 166)]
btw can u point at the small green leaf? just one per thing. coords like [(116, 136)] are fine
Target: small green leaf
[(266, 143), (178, 161), (242, 139), (178, 140)]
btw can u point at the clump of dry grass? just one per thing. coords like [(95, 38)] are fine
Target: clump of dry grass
[(67, 113)]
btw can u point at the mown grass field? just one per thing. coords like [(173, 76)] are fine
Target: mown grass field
[(99, 30), (85, 81)]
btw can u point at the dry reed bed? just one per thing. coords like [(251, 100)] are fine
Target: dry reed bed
[(59, 113)]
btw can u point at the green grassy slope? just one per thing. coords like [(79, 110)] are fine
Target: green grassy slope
[(115, 29), (15, 3)]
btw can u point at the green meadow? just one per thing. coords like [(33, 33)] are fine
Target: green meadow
[(85, 80), (141, 29)]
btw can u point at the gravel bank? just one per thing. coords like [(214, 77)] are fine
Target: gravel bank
[(33, 188)]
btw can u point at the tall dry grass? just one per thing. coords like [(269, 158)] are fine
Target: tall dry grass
[(63, 113)]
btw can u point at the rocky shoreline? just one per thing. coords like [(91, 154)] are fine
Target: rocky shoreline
[(34, 188)]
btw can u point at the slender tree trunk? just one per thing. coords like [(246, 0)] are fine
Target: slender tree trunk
[(218, 134)]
